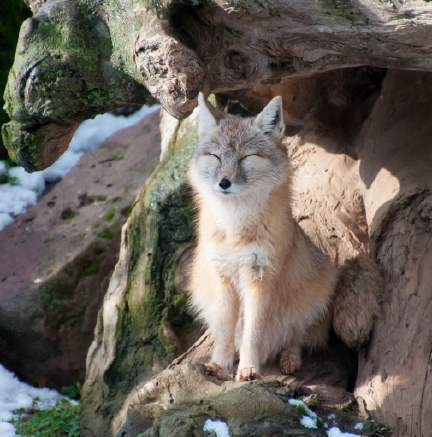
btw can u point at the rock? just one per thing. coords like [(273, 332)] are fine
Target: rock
[(144, 322), (45, 108), (10, 22), (56, 259), (176, 49), (396, 158), (182, 398)]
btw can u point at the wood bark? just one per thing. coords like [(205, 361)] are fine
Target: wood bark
[(395, 378), (106, 53)]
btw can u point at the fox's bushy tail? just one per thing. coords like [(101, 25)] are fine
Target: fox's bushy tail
[(357, 300)]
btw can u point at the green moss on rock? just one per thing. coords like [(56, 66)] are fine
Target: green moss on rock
[(13, 13), (153, 314), (60, 76)]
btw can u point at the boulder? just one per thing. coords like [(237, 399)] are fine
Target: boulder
[(145, 322), (10, 23), (57, 258), (183, 401)]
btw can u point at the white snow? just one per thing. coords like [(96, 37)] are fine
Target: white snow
[(15, 394), (219, 427), (336, 432), (16, 198), (298, 402), (359, 426), (7, 430), (308, 422)]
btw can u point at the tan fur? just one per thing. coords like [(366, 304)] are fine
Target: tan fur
[(356, 303), (257, 281)]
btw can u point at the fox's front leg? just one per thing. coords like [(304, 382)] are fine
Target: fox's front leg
[(223, 317), (254, 308)]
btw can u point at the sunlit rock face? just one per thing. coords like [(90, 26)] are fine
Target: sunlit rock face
[(57, 258)]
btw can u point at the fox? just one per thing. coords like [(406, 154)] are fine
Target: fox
[(258, 282)]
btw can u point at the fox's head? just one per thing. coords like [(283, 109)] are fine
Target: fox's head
[(239, 158)]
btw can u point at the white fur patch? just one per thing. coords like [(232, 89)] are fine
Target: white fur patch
[(230, 262)]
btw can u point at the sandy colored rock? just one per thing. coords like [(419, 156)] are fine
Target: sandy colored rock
[(180, 400), (56, 259), (396, 160)]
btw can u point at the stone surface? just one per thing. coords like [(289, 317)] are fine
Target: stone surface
[(13, 14), (176, 49), (180, 400), (56, 259), (145, 320), (394, 145)]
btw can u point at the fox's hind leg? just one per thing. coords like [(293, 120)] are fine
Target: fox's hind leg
[(290, 359)]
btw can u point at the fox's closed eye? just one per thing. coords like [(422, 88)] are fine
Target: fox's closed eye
[(212, 154), (251, 155)]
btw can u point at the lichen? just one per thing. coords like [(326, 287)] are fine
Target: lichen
[(10, 22), (344, 9), (158, 232), (60, 75)]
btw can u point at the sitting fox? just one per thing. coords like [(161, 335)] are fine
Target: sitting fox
[(259, 283)]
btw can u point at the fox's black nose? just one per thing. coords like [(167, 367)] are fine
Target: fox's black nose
[(225, 183)]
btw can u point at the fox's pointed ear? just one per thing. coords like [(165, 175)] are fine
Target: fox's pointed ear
[(207, 122), (270, 119)]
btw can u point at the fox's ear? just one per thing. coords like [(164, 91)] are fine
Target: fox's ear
[(207, 122), (270, 119)]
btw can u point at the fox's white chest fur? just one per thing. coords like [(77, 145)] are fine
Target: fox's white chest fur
[(234, 262)]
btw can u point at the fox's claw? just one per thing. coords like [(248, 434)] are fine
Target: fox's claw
[(217, 371), (247, 374)]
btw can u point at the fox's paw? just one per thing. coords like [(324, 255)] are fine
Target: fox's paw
[(289, 363), (213, 369), (247, 374)]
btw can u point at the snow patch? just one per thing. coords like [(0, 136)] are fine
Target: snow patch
[(15, 395), (7, 430), (23, 189), (219, 427), (336, 432), (300, 403), (308, 422), (359, 426)]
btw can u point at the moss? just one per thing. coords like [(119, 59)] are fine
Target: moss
[(126, 211), (55, 298), (14, 13), (61, 420), (109, 215), (63, 54), (100, 198), (72, 391), (106, 234), (68, 214), (159, 231), (22, 146), (344, 9), (90, 269)]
